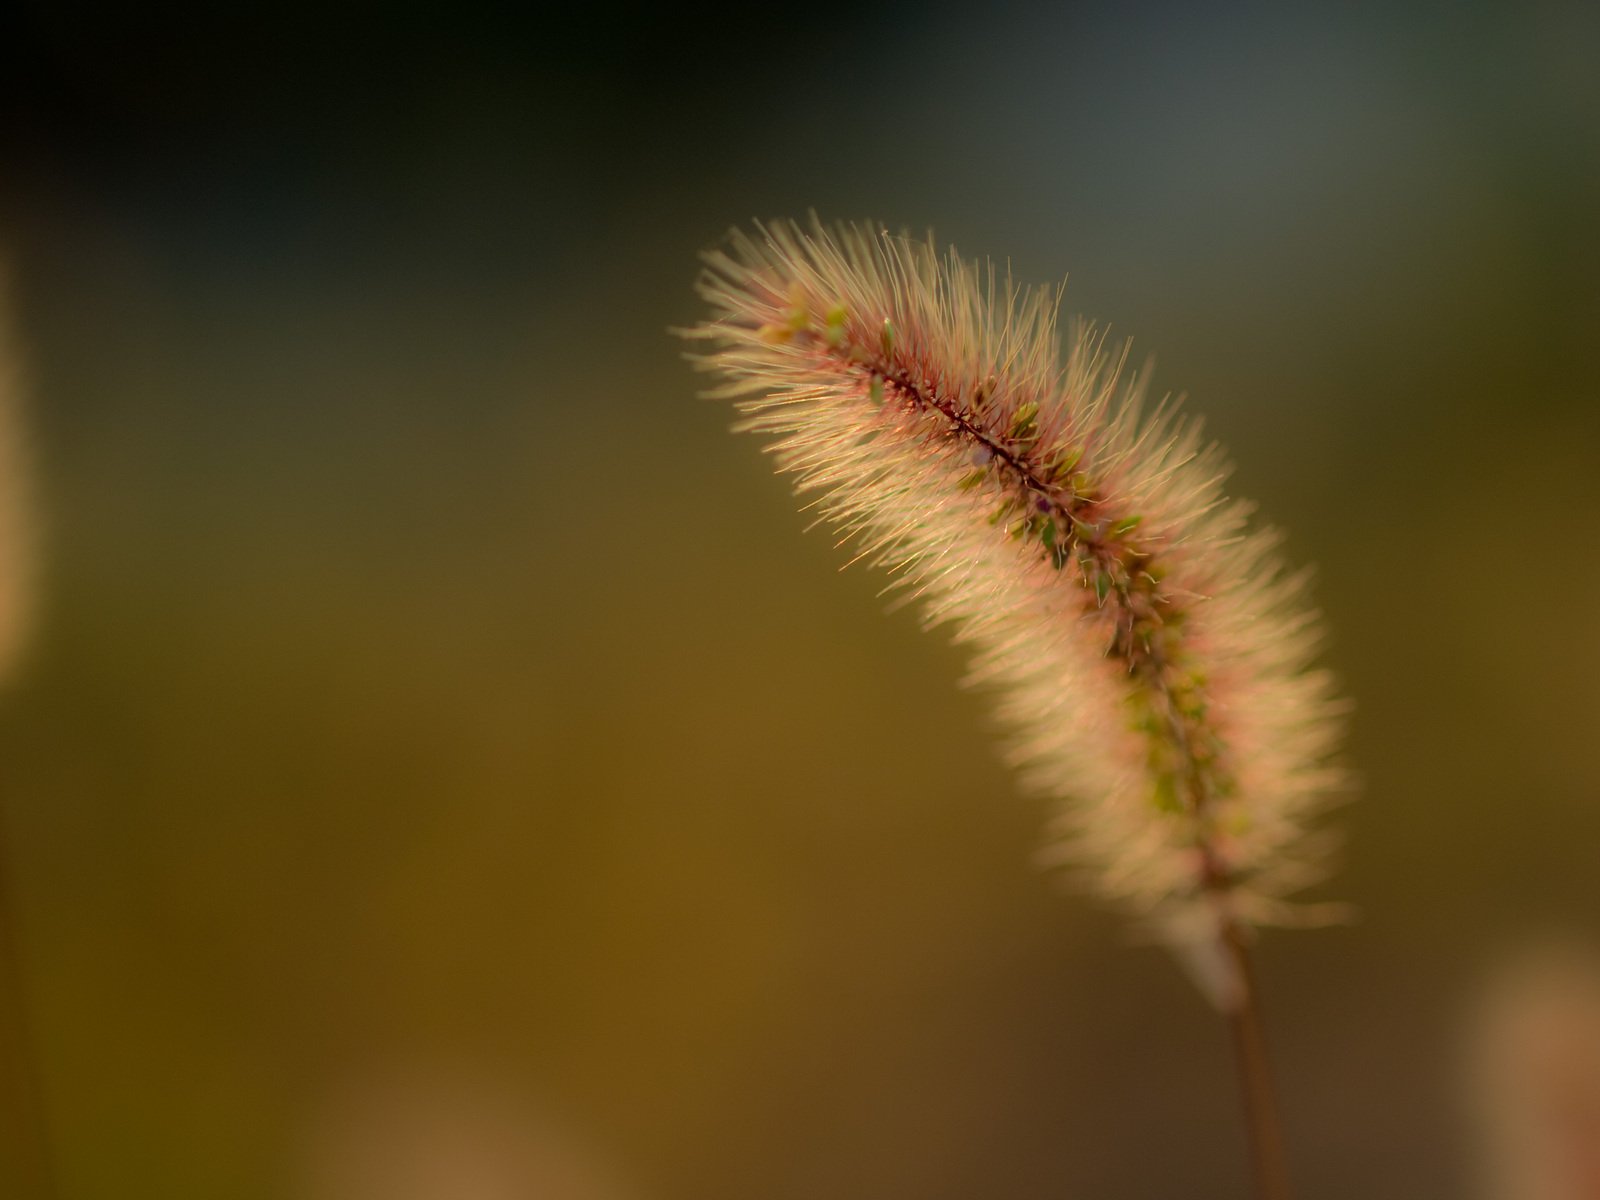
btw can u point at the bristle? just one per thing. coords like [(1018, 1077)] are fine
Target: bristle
[(1150, 655)]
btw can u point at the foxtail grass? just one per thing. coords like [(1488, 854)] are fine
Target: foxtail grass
[(24, 1130), (1150, 655)]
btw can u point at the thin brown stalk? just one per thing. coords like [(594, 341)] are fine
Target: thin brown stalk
[(26, 1144), (1269, 1165)]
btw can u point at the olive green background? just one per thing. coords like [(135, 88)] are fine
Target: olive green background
[(432, 699)]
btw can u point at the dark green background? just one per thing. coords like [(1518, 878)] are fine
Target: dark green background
[(429, 687)]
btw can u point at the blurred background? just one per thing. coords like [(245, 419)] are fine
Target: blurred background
[(443, 767)]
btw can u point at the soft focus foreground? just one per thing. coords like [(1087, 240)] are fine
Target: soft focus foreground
[(425, 687), (1534, 1063)]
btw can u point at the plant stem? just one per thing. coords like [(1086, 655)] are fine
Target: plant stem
[(1267, 1158), (24, 1148)]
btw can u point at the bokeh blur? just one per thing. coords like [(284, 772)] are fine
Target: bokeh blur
[(443, 766)]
